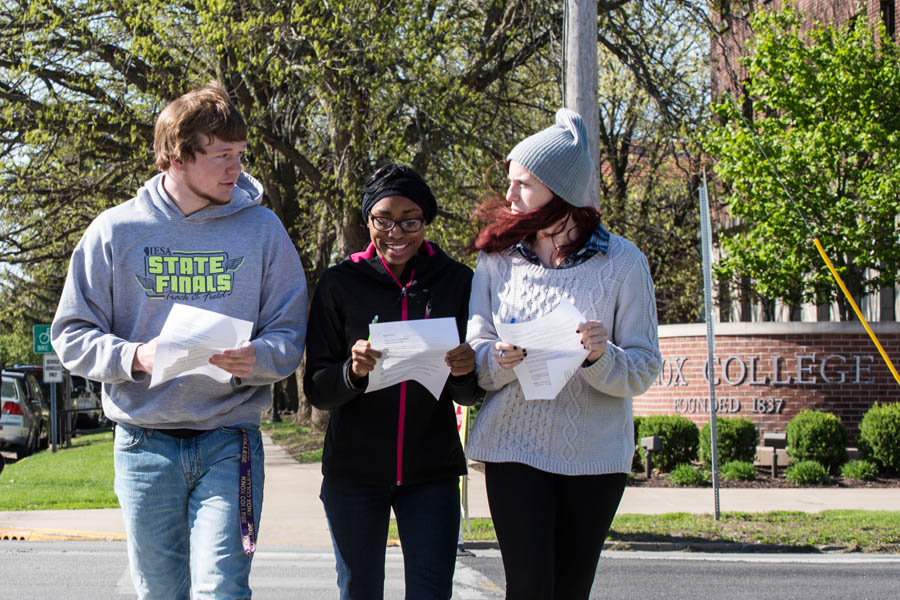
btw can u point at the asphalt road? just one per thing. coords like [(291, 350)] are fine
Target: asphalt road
[(91, 570)]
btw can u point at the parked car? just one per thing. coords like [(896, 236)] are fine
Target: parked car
[(63, 398), (35, 389), (86, 399), (23, 422)]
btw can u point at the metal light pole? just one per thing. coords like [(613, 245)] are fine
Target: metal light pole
[(706, 241)]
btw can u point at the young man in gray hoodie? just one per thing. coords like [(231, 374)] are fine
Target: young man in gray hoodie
[(188, 453)]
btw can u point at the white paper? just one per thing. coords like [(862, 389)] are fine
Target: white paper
[(412, 350), (554, 350), (189, 337)]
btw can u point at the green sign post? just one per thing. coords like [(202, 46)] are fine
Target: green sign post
[(52, 374), (42, 339)]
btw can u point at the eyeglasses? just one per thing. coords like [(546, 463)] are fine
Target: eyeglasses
[(407, 225)]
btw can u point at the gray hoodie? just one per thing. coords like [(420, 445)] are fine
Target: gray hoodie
[(136, 260)]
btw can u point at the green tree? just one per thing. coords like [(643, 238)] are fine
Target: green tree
[(330, 90), (16, 348), (824, 107), (652, 100)]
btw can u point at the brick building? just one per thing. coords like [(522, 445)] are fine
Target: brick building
[(733, 19), (772, 360), (737, 302)]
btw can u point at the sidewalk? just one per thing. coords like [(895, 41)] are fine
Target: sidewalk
[(292, 512)]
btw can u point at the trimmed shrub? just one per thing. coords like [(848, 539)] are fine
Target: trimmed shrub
[(807, 472), (879, 435), (738, 470), (859, 469), (736, 436), (687, 475), (680, 438), (819, 436)]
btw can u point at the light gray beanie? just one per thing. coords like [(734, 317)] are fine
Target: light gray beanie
[(560, 157)]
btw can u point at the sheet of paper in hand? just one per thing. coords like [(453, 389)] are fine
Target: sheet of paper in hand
[(412, 350), (189, 337), (554, 350)]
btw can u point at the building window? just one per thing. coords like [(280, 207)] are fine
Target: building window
[(889, 16), (746, 300)]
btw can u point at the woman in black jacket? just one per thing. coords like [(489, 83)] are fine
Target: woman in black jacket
[(397, 447)]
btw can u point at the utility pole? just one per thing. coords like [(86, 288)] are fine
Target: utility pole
[(580, 66)]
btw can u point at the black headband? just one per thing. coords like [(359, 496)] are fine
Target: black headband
[(414, 189)]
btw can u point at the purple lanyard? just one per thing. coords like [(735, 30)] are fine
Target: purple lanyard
[(248, 528)]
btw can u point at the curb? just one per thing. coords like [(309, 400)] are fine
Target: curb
[(712, 547), (709, 547), (59, 535)]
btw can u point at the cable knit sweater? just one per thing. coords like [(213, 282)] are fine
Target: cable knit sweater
[(588, 429)]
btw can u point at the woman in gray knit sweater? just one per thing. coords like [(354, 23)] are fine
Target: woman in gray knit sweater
[(555, 469)]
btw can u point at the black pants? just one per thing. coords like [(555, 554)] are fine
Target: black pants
[(551, 528)]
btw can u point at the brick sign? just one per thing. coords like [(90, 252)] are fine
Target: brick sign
[(769, 372)]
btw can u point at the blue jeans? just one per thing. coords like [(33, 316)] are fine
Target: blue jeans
[(428, 524), (180, 504)]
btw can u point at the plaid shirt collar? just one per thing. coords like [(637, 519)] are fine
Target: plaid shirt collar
[(598, 242)]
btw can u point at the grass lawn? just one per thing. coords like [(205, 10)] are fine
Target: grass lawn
[(303, 445), (862, 530), (76, 477), (850, 530)]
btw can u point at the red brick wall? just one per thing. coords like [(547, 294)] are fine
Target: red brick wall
[(756, 354), (736, 26)]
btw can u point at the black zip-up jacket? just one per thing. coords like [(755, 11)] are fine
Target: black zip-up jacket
[(400, 434)]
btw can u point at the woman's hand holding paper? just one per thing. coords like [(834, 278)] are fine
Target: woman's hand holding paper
[(594, 337), (461, 360), (363, 359)]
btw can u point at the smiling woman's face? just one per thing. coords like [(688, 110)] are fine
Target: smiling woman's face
[(396, 246)]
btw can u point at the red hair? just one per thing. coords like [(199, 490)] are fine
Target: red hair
[(505, 228)]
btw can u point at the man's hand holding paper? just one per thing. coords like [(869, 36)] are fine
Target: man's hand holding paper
[(237, 361)]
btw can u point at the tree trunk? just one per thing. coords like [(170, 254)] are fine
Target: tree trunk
[(352, 235), (318, 420), (289, 395)]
